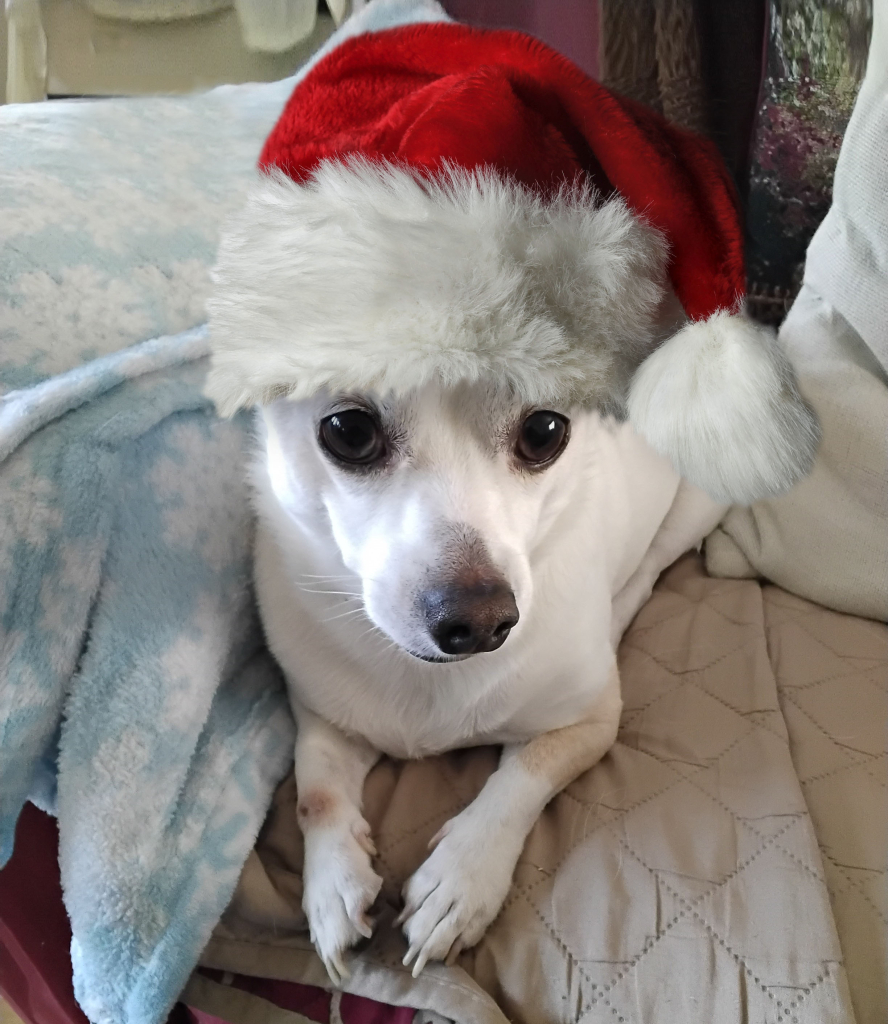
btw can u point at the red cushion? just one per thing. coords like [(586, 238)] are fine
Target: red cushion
[(35, 936), (35, 940)]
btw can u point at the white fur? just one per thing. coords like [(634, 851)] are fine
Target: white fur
[(720, 400), (340, 559), (369, 278)]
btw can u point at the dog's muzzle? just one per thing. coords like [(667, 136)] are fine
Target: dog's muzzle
[(469, 619)]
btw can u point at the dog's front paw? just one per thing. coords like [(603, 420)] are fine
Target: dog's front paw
[(339, 887), (457, 892)]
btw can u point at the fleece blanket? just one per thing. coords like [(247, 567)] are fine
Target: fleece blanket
[(137, 699), (126, 612), (724, 864)]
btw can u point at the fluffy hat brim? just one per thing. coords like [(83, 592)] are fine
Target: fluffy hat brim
[(371, 279)]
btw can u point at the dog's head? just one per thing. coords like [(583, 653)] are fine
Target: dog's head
[(478, 329), (415, 347), (440, 502)]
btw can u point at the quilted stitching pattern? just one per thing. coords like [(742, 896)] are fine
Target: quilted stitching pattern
[(832, 682), (679, 881)]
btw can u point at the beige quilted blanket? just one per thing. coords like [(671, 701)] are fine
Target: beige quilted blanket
[(724, 863)]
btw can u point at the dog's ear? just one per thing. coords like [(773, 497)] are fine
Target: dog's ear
[(720, 399)]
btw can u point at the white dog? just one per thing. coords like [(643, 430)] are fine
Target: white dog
[(452, 534), (489, 397)]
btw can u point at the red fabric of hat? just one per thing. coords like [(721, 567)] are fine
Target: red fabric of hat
[(430, 95)]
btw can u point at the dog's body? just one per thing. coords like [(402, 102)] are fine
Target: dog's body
[(339, 561)]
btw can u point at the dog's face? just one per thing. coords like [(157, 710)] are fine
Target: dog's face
[(441, 503)]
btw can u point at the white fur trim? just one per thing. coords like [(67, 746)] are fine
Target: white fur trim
[(720, 400), (369, 278)]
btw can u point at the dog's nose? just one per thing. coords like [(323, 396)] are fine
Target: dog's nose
[(470, 619)]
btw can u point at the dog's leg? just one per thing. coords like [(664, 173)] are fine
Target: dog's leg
[(692, 516), (339, 883), (458, 891)]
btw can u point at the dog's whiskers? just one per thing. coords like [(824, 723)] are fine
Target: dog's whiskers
[(373, 629), (389, 644), (332, 593), (343, 615)]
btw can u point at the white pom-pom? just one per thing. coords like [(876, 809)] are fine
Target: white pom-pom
[(720, 400)]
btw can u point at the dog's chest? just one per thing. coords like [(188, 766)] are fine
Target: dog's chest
[(408, 715)]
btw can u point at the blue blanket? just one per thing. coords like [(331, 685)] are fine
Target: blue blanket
[(138, 702)]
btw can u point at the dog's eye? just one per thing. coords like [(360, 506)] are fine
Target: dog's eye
[(541, 438), (353, 436)]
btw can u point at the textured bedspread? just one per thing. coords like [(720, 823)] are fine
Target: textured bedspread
[(725, 862), (832, 682)]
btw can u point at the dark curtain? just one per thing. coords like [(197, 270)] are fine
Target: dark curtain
[(733, 38), (699, 62)]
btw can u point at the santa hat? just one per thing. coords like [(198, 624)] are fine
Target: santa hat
[(446, 203)]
